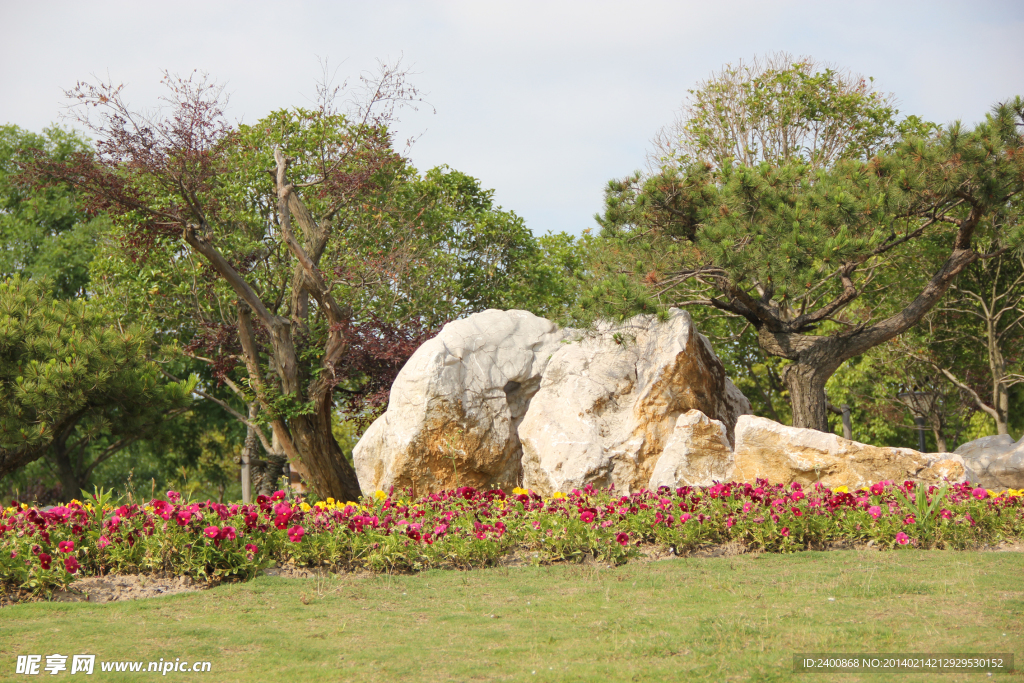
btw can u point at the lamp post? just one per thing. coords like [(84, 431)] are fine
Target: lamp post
[(919, 403)]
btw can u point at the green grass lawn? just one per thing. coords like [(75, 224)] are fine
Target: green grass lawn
[(730, 618)]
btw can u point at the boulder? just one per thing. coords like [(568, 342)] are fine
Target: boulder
[(456, 404), (994, 462), (609, 402), (696, 454), (781, 454)]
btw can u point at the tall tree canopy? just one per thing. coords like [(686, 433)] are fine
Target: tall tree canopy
[(43, 230), (804, 250)]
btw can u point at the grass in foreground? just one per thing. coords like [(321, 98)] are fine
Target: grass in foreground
[(732, 618)]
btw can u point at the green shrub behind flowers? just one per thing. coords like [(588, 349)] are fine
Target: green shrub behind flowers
[(464, 528)]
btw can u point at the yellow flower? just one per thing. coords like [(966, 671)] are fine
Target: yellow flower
[(380, 495), (992, 493), (24, 506), (330, 501), (558, 495), (8, 511), (840, 489), (520, 492), (304, 507), (357, 506), (321, 505), (75, 501)]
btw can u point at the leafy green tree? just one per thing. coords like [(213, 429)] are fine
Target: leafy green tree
[(281, 253), (43, 230), (803, 251), (70, 376)]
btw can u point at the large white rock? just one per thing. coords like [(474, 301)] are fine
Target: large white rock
[(995, 462), (608, 404), (697, 454), (766, 449), (455, 407)]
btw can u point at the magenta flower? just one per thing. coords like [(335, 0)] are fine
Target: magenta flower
[(103, 542), (211, 531), (685, 517), (586, 516), (278, 495), (878, 489), (227, 533), (295, 534), (784, 531), (946, 514), (729, 522), (979, 493), (71, 565), (622, 538), (173, 496), (252, 548), (66, 546), (747, 506), (183, 517), (902, 538), (875, 511), (909, 520)]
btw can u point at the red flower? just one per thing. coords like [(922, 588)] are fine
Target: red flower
[(183, 517), (278, 495), (281, 521), (252, 548), (946, 514), (211, 531), (796, 512), (71, 564), (44, 560), (622, 538), (295, 534), (878, 489), (227, 533), (66, 546)]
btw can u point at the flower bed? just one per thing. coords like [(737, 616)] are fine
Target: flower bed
[(45, 549)]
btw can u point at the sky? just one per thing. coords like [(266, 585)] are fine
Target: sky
[(542, 101)]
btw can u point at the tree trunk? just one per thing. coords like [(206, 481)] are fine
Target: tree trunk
[(806, 384), (330, 472)]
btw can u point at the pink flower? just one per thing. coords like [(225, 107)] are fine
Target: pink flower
[(979, 493), (173, 496), (66, 546), (729, 522), (604, 525), (878, 489), (909, 520), (211, 531), (622, 538), (71, 565), (586, 516), (686, 516), (252, 548), (946, 514), (183, 517), (295, 534), (442, 529), (875, 511), (784, 531), (747, 506), (278, 495), (227, 533), (103, 542), (902, 538)]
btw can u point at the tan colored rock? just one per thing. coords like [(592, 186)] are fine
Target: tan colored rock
[(781, 454), (697, 454), (455, 407), (609, 402)]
